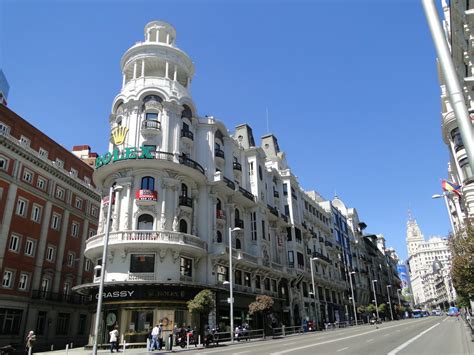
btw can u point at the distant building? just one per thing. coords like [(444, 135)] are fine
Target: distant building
[(4, 89), (47, 211), (425, 278), (83, 152)]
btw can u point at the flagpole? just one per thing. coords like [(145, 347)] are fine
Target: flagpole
[(449, 212)]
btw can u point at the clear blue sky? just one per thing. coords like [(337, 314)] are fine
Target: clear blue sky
[(351, 87)]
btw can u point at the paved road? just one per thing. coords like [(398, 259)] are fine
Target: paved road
[(432, 335)]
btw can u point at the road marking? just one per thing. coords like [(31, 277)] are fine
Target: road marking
[(405, 344), (368, 341), (445, 319), (338, 339), (343, 349)]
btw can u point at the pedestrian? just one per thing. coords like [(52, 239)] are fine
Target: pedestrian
[(160, 336), (30, 341), (154, 338), (114, 335)]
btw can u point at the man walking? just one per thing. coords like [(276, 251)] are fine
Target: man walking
[(154, 338), (114, 334)]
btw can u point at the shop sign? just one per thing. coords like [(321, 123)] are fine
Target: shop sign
[(144, 152), (159, 292), (146, 195), (116, 294)]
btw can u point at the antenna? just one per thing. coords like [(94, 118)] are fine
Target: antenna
[(268, 127)]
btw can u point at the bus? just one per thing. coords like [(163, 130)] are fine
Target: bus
[(453, 311), (417, 313)]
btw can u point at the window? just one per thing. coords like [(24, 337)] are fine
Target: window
[(148, 183), (5, 130), (289, 237), (97, 271), (66, 289), (43, 153), (88, 265), (87, 180), (300, 259), (238, 277), (23, 282), (142, 263), (247, 279), (219, 237), (75, 229), (50, 253), (291, 258), (92, 232), (151, 116), (274, 285), (251, 168), (30, 247), (55, 221), (41, 183), (62, 324), (73, 172), (298, 235), (3, 163), (184, 190), (45, 284), (36, 213), (70, 259), (24, 141), (60, 192), (263, 229), (82, 324), (186, 267), (285, 189), (257, 281), (238, 244), (10, 320), (59, 163), (78, 203), (183, 226), (94, 211), (21, 207), (27, 175), (145, 222), (14, 243), (7, 280), (41, 322), (222, 273), (253, 225), (266, 284)]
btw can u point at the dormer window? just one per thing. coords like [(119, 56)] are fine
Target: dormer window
[(151, 116)]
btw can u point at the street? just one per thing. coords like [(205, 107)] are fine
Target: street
[(432, 335)]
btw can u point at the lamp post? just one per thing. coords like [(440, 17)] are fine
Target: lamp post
[(231, 283), (389, 301), (311, 259), (375, 298), (103, 267), (352, 294), (435, 196)]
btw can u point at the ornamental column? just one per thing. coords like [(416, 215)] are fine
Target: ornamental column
[(194, 229), (36, 280), (61, 249), (116, 212)]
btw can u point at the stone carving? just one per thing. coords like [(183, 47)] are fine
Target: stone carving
[(162, 254)]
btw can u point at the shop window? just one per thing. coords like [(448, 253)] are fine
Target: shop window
[(81, 330), (186, 267), (145, 222), (41, 322), (62, 323), (142, 263), (142, 321), (10, 320)]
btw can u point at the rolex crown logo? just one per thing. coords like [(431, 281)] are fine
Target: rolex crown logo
[(118, 134)]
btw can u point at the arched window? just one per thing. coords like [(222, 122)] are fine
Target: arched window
[(238, 244), (237, 214), (145, 222), (148, 183), (186, 112), (183, 226), (152, 97), (184, 190), (219, 205), (219, 237)]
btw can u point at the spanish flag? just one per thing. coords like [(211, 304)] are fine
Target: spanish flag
[(451, 187)]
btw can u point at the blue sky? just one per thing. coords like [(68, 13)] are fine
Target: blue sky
[(350, 86)]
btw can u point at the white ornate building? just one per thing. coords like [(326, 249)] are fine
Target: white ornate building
[(185, 181), (429, 264)]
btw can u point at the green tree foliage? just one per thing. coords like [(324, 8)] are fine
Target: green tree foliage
[(462, 251), (382, 308), (399, 309), (370, 308), (203, 303), (262, 303), (361, 309)]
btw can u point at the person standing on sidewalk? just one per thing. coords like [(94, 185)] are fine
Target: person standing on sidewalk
[(30, 341), (114, 335), (154, 338)]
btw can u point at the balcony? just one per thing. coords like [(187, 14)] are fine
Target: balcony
[(239, 223), (322, 257), (145, 239), (186, 201), (284, 217), (273, 210), (58, 297), (146, 197), (230, 184), (187, 134), (150, 127), (141, 276), (184, 160), (247, 194), (219, 153), (237, 166)]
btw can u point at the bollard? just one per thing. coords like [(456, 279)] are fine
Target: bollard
[(199, 339), (283, 330), (67, 349), (124, 346), (52, 347), (29, 350), (170, 341), (187, 341), (70, 346)]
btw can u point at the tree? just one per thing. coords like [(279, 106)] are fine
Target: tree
[(370, 308), (203, 304), (382, 308), (462, 250), (263, 304), (361, 309)]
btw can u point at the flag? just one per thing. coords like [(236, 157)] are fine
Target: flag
[(451, 187)]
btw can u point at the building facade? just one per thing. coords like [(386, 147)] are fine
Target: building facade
[(48, 208), (429, 263), (182, 182)]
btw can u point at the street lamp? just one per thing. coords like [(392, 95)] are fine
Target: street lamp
[(389, 301), (314, 285), (435, 196), (375, 299), (231, 283), (103, 266), (352, 294)]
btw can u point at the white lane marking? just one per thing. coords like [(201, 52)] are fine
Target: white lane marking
[(242, 352), (368, 341), (343, 349), (405, 344), (445, 319)]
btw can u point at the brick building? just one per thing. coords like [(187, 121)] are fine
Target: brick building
[(48, 208)]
